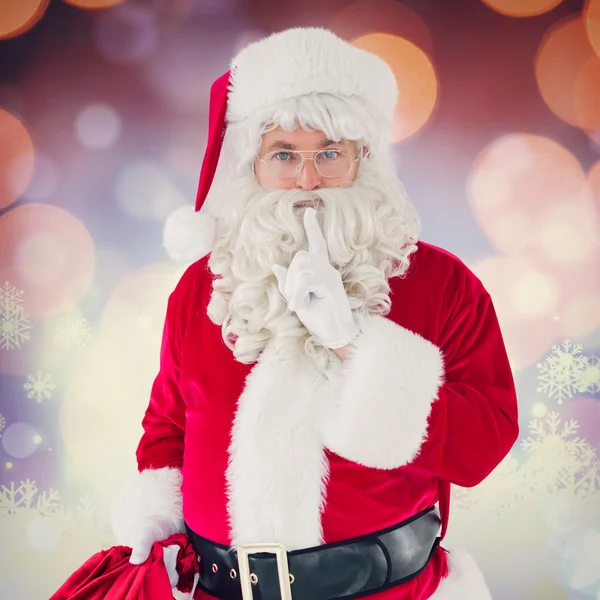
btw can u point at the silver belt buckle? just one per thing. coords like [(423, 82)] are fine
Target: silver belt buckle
[(283, 572)]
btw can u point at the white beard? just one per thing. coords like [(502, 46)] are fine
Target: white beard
[(370, 228)]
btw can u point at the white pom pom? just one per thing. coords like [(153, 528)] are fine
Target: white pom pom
[(189, 235)]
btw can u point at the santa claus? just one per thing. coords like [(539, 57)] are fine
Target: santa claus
[(325, 377)]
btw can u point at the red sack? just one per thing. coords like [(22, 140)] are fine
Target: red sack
[(108, 575)]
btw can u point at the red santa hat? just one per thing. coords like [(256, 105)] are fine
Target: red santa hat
[(290, 64)]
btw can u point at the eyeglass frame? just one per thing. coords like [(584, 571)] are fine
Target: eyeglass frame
[(305, 158)]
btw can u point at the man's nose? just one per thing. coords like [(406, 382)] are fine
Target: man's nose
[(308, 178)]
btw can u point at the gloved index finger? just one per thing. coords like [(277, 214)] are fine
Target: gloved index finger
[(317, 244)]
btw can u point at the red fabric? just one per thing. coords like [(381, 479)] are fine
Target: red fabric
[(216, 129), (108, 575), (472, 425)]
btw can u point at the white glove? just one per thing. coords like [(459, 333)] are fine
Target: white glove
[(152, 529), (314, 290)]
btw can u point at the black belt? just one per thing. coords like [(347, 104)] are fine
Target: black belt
[(342, 570)]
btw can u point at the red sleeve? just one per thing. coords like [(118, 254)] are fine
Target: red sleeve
[(474, 422), (162, 442), (447, 408)]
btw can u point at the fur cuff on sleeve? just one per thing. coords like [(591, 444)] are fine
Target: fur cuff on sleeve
[(386, 388), (153, 493)]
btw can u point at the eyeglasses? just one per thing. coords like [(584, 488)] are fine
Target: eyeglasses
[(287, 164)]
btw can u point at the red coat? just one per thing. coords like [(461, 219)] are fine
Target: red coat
[(426, 399)]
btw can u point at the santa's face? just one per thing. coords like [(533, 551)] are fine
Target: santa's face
[(305, 160), (366, 220)]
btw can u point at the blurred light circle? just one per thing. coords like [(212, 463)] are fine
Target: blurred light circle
[(416, 78), (566, 68), (112, 398), (134, 312), (594, 139), (184, 161), (49, 254), (137, 297), (126, 35), (18, 16), (580, 316), (184, 69), (94, 3), (524, 312), (44, 181), (522, 8), (11, 99), (578, 288), (127, 346), (145, 191), (10, 534), (557, 513), (527, 192), (586, 95), (166, 202), (43, 534), (594, 182), (535, 294), (98, 126), (592, 23), (18, 440), (43, 258), (111, 265), (16, 158), (586, 411), (204, 9), (382, 16), (568, 232), (539, 410), (581, 559)]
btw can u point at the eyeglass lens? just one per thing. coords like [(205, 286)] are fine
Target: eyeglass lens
[(285, 164)]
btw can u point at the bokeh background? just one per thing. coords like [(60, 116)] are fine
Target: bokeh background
[(103, 114)]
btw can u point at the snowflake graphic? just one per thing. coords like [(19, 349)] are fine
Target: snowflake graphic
[(2, 423), (559, 459), (39, 386), (560, 375), (72, 331), (43, 520), (589, 379), (25, 496), (14, 323), (87, 511)]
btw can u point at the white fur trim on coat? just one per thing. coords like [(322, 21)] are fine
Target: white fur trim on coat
[(188, 235), (305, 60), (387, 386), (153, 493), (278, 469), (464, 581)]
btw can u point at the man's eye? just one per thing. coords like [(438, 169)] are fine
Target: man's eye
[(282, 156), (331, 154)]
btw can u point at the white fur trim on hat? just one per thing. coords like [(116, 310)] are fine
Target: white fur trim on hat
[(189, 235), (308, 60)]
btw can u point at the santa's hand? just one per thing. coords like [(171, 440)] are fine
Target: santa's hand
[(314, 290), (153, 529)]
